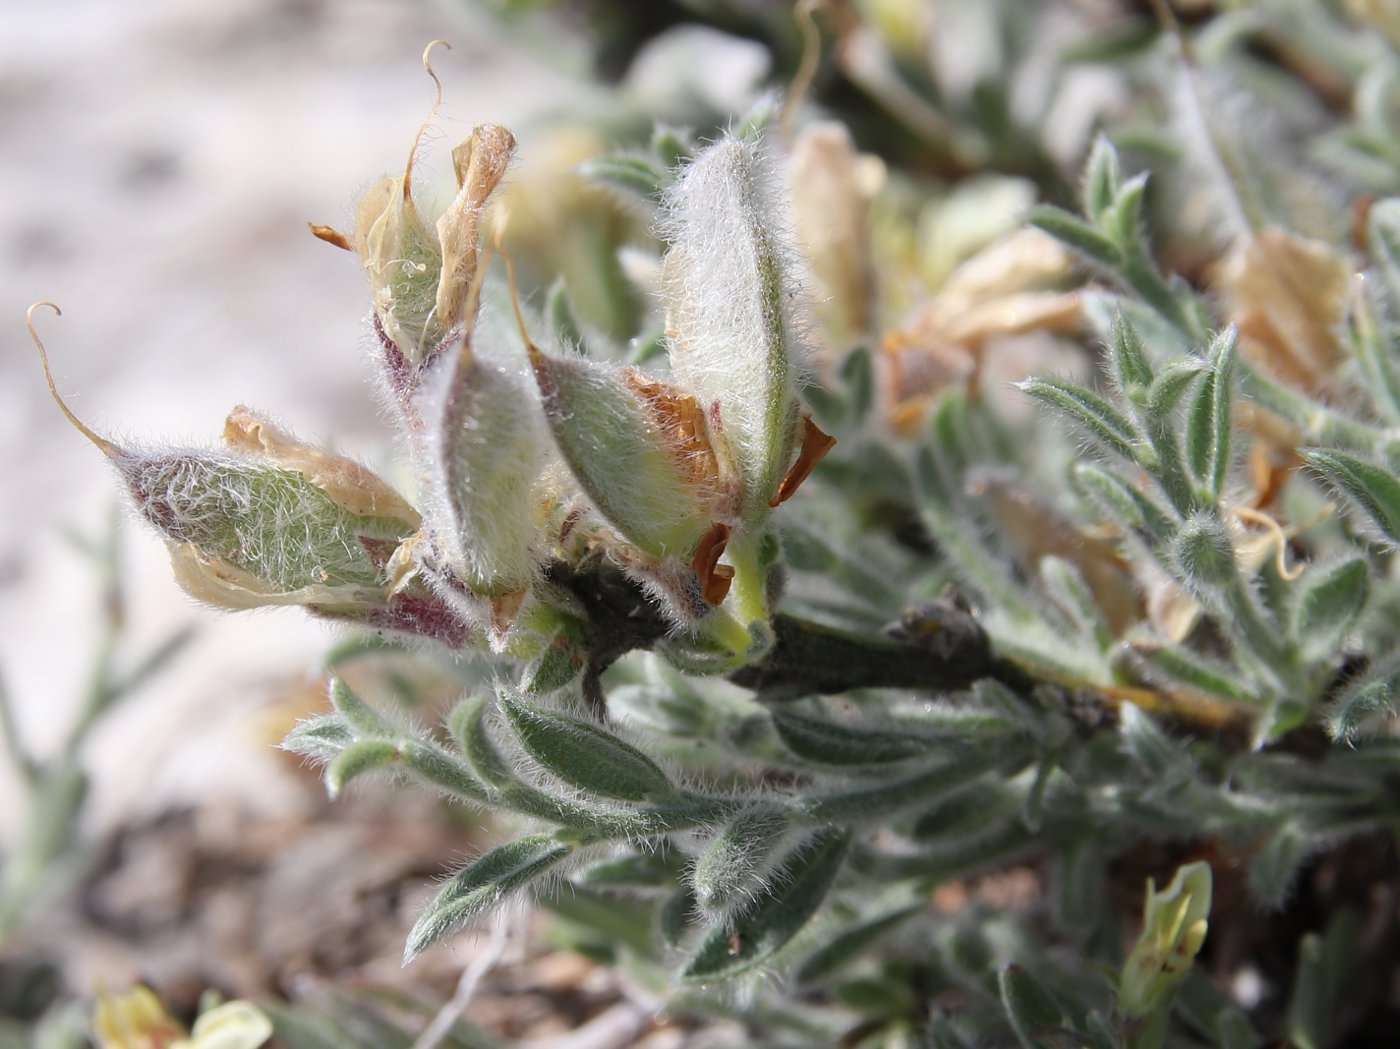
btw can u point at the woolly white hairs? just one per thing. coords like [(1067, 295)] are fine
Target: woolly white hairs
[(733, 302), (267, 521)]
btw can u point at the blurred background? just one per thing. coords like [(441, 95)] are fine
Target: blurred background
[(160, 161)]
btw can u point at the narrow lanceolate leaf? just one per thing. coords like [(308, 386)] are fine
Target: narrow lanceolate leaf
[(1086, 408), (1031, 1008), (1373, 488), (731, 299), (359, 715), (831, 743), (481, 885), (792, 893), (633, 175), (1276, 864), (851, 944), (1370, 338), (1171, 385), (468, 726), (1076, 234), (1200, 430), (361, 756), (1101, 178), (1210, 416), (1124, 502), (1331, 602), (1130, 361), (1222, 418), (320, 738), (584, 755), (1365, 700), (638, 448), (735, 865)]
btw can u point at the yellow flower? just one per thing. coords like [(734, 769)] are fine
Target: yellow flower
[(136, 1019)]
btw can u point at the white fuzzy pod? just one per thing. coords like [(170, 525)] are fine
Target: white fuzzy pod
[(734, 301), (480, 453)]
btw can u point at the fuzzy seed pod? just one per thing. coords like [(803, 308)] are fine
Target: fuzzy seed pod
[(732, 312), (638, 448), (480, 453)]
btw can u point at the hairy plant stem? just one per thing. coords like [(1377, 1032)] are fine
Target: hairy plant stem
[(945, 650)]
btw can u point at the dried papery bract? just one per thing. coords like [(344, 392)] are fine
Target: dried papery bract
[(831, 189)]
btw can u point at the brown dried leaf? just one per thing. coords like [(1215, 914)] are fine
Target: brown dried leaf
[(1287, 296)]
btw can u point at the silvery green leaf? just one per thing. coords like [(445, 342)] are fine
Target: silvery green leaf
[(1088, 409), (833, 743), (560, 313), (603, 921), (481, 885), (1374, 489), (1124, 502), (584, 755), (1066, 587), (468, 726), (1198, 671), (359, 715), (361, 756), (1383, 238), (649, 870), (1033, 1011), (735, 865), (1171, 384), (1122, 219), (633, 175), (1209, 417), (879, 800), (1326, 963), (1166, 763), (1101, 178), (441, 769), (1365, 699), (1371, 337), (321, 737), (1131, 364), (858, 378), (1076, 234), (1331, 602), (851, 944), (797, 886)]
